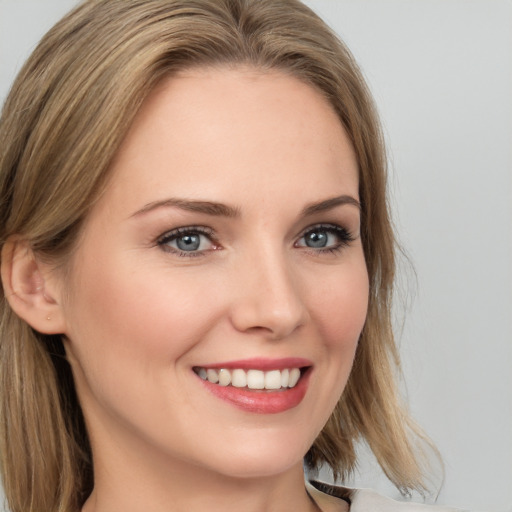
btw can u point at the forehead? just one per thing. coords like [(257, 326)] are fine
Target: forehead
[(224, 132)]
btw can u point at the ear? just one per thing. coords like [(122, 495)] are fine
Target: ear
[(31, 288)]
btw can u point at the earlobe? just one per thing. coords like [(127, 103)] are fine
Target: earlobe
[(29, 288)]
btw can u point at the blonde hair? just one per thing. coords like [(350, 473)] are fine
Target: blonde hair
[(62, 123)]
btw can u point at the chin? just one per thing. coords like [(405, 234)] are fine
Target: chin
[(261, 467), (260, 458)]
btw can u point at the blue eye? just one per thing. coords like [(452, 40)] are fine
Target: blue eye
[(190, 242), (325, 237), (318, 239), (187, 241)]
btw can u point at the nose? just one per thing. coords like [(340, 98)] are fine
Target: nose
[(268, 299)]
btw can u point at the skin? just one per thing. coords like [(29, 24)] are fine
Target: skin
[(139, 314)]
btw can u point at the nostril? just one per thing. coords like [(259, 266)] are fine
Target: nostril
[(270, 305)]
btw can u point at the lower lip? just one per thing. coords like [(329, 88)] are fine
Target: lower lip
[(261, 401)]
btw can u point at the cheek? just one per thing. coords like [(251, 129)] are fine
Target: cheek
[(339, 310), (130, 331), (341, 307), (137, 316)]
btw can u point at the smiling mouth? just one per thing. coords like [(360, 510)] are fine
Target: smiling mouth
[(252, 379)]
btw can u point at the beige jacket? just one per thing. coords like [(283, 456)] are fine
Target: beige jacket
[(333, 499)]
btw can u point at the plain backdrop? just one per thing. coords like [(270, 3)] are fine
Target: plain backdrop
[(441, 73)]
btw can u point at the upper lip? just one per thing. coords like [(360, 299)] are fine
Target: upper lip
[(264, 364)]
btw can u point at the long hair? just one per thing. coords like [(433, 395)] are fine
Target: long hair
[(68, 111)]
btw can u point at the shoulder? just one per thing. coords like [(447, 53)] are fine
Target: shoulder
[(366, 499), (362, 500)]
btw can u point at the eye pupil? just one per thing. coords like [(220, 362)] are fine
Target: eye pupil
[(188, 242), (316, 239)]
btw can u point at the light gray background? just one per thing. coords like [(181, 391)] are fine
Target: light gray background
[(441, 72)]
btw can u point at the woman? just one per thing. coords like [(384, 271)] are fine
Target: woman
[(197, 263)]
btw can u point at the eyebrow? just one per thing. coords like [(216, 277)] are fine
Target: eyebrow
[(223, 210), (207, 207), (329, 204)]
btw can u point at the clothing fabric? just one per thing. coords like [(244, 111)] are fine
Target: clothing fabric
[(330, 498)]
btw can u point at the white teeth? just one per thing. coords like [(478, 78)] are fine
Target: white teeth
[(285, 374), (273, 380), (224, 377), (252, 379), (238, 379), (294, 377), (211, 375), (255, 379)]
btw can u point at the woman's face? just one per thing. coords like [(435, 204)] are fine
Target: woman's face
[(225, 247)]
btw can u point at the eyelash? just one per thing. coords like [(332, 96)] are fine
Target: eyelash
[(170, 236), (343, 235)]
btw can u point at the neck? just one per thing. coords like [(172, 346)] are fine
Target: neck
[(133, 482)]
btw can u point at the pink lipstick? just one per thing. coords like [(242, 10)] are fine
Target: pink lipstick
[(260, 385)]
